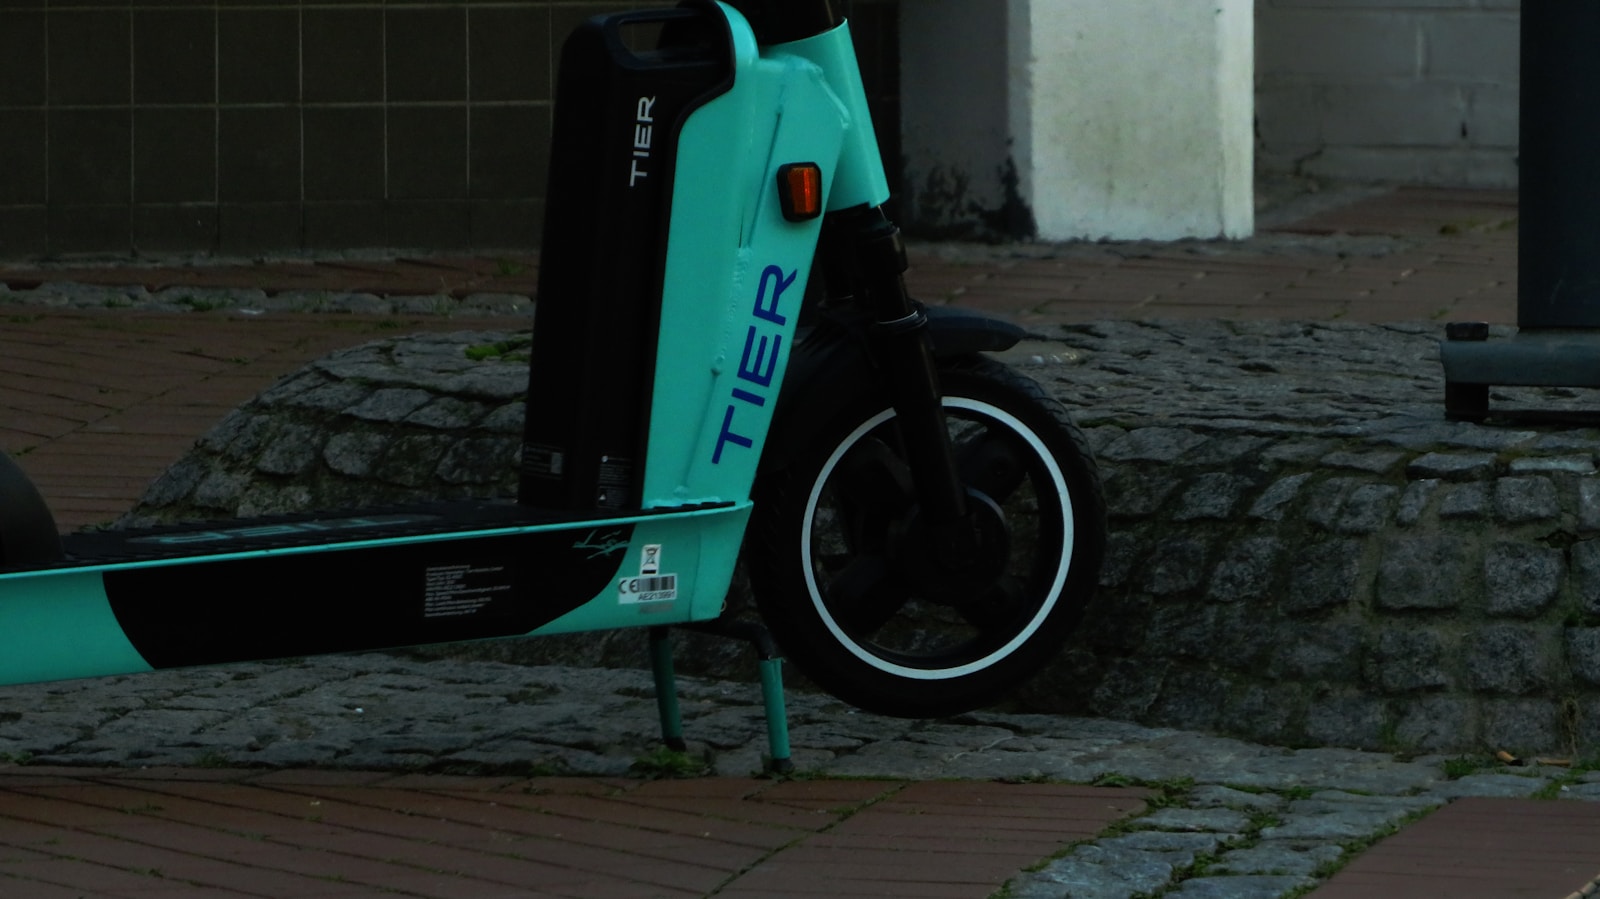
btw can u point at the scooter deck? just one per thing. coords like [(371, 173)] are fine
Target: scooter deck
[(308, 584), (308, 530)]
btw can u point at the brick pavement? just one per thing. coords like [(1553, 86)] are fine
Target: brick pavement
[(97, 403), (198, 834)]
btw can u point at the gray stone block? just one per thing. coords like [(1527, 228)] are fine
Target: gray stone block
[(1192, 702), (1583, 654), (1425, 572), (1523, 499), (353, 453), (1276, 857), (1586, 575), (1328, 652), (1273, 713), (293, 449), (241, 436), (1224, 451), (1175, 565), (331, 397), (1247, 570), (175, 484), (1465, 501), (1407, 661), (219, 490), (1506, 659), (1452, 466), (1349, 720), (1213, 495), (448, 414), (1523, 726), (411, 460), (1521, 579), (1324, 575), (505, 419), (1579, 465), (1334, 816), (1366, 510), (1589, 504), (480, 461), (1152, 445), (1183, 630), (1371, 461), (390, 404), (1274, 501), (1435, 723), (1325, 500), (1194, 820), (1497, 786), (1132, 493), (1129, 688), (1124, 550), (1245, 886), (1414, 501)]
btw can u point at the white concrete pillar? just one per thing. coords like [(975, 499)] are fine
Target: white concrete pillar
[(1079, 119)]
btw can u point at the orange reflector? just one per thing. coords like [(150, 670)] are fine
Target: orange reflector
[(800, 191)]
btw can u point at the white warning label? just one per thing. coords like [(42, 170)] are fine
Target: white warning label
[(450, 591)]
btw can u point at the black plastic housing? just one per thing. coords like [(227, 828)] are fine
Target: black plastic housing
[(781, 21), (619, 110)]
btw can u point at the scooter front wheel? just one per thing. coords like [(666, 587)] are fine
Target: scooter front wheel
[(857, 589)]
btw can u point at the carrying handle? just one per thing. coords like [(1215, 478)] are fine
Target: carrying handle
[(782, 21), (689, 35)]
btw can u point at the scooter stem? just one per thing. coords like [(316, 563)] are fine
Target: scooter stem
[(900, 341)]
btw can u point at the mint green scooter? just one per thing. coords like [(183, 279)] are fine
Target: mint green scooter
[(922, 525)]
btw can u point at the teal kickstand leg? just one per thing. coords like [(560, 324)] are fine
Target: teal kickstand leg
[(666, 689), (757, 635), (777, 715)]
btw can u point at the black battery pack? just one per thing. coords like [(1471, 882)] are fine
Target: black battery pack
[(625, 85)]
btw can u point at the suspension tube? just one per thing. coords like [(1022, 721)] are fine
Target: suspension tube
[(900, 341)]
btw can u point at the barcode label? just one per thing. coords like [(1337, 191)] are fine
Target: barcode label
[(656, 588)]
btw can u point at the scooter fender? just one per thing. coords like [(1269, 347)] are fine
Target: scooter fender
[(829, 364)]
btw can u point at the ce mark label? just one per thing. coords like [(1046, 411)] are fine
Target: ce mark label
[(651, 585)]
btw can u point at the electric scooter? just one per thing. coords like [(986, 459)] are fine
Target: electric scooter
[(721, 300)]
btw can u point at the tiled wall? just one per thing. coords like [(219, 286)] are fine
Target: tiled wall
[(1415, 91), (253, 126)]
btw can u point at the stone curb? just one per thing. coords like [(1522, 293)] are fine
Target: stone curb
[(1302, 549)]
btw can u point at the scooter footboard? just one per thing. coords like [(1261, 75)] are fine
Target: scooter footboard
[(129, 601)]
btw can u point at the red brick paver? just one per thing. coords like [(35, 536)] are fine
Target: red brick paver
[(1480, 849), (237, 834)]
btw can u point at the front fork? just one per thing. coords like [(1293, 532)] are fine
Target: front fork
[(864, 264)]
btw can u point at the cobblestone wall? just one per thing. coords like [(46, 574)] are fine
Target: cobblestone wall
[(1302, 550), (1411, 91)]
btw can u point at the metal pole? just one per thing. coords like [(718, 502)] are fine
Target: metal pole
[(1558, 250), (1558, 240)]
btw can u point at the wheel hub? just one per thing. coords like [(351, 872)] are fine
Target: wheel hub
[(952, 564)]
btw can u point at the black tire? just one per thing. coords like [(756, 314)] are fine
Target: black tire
[(840, 588)]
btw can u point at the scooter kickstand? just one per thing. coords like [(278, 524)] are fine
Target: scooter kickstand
[(771, 667), (666, 689)]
